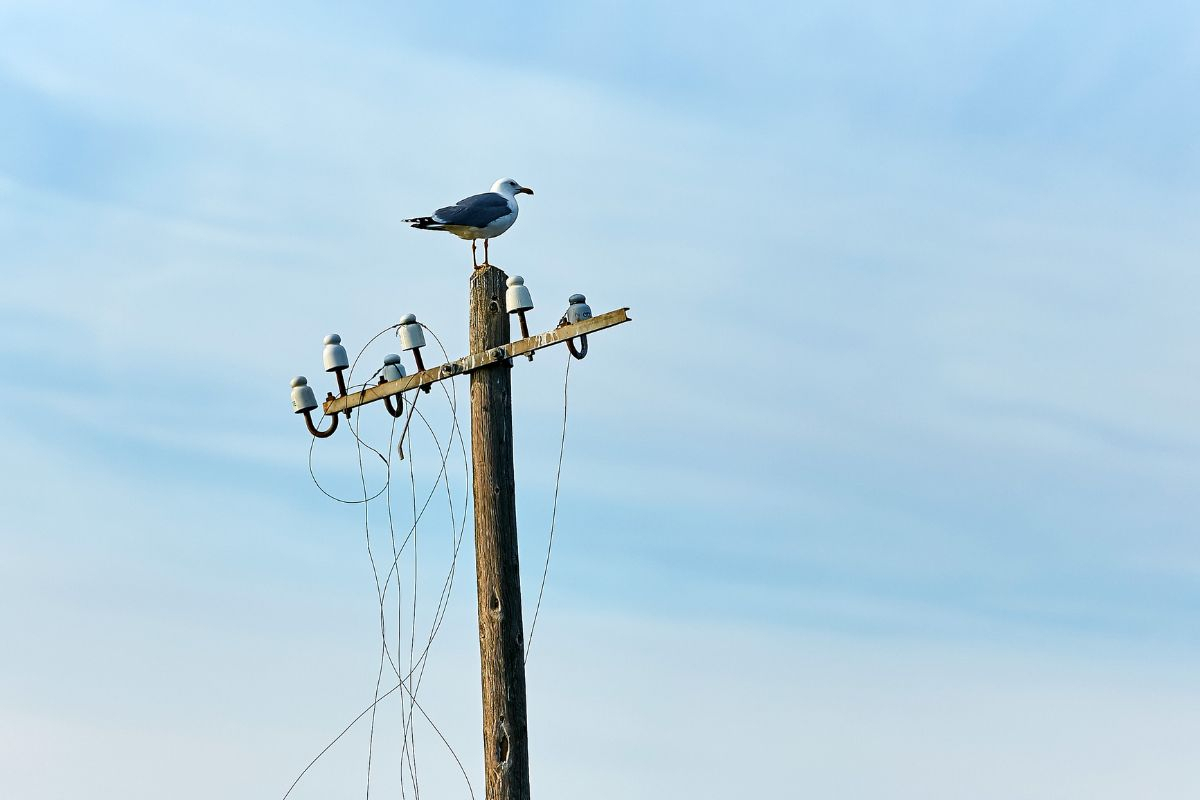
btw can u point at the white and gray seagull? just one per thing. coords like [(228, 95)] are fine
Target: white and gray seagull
[(481, 216)]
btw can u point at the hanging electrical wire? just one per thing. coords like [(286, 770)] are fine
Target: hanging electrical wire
[(412, 590), (456, 536), (562, 442), (417, 664), (417, 658)]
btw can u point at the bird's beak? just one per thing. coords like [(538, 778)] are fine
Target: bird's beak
[(524, 190)]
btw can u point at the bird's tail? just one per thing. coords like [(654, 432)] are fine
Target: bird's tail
[(424, 223)]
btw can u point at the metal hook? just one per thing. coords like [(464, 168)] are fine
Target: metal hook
[(524, 331), (578, 311), (336, 361), (341, 382), (426, 388), (396, 413), (412, 337), (582, 351), (312, 427)]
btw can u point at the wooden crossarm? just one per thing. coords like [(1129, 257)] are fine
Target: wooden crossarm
[(476, 361)]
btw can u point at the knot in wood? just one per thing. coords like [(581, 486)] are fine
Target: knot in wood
[(502, 746)]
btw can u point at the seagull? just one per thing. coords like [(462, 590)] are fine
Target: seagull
[(479, 216)]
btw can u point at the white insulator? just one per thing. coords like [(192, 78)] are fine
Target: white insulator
[(579, 310), (517, 297), (411, 335), (393, 370), (303, 398), (335, 355)]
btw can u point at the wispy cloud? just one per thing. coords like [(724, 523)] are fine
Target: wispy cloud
[(911, 380)]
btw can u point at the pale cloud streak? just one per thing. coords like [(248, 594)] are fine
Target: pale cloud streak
[(910, 385)]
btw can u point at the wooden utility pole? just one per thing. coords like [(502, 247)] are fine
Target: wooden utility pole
[(497, 568)]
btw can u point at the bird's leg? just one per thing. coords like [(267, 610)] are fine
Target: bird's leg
[(474, 260), (486, 263)]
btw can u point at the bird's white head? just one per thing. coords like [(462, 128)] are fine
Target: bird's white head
[(509, 188)]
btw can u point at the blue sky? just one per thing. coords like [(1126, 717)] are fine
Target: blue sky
[(888, 491)]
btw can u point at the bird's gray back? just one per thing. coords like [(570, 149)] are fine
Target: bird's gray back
[(476, 211)]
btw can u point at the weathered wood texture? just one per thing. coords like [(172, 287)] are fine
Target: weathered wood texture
[(501, 631), (476, 360)]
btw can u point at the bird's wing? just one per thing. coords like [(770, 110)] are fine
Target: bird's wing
[(476, 211)]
